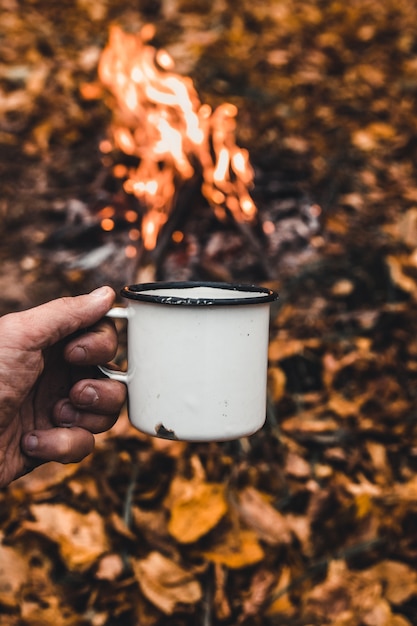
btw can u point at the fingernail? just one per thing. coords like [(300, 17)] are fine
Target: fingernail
[(101, 292), (68, 416), (88, 396), (78, 353), (31, 443)]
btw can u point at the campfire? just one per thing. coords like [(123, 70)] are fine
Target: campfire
[(172, 139)]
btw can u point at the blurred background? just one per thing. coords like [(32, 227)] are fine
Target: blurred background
[(271, 143)]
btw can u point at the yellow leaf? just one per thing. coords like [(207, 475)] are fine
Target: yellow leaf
[(364, 504), (237, 550), (282, 603), (165, 583), (196, 510)]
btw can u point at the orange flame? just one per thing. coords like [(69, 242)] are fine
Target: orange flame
[(159, 119)]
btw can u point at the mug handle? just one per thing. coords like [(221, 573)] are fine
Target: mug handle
[(119, 313)]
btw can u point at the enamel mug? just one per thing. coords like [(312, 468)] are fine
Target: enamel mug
[(197, 357)]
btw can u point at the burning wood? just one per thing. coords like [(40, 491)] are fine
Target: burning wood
[(159, 120)]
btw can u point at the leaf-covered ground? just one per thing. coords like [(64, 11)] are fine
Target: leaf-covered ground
[(313, 520)]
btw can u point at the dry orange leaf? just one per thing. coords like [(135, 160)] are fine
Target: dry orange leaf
[(400, 580), (281, 602), (81, 537), (404, 492), (268, 523), (152, 525), (238, 549), (399, 620), (341, 406), (297, 466), (45, 477), (47, 612), (256, 597), (196, 509), (284, 346), (221, 602), (276, 383), (308, 422), (120, 526), (369, 137), (397, 267), (13, 574), (164, 583), (110, 567), (407, 227), (367, 594)]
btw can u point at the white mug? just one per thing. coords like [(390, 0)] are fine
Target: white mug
[(197, 358)]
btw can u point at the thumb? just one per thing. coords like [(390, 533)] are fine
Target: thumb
[(44, 325)]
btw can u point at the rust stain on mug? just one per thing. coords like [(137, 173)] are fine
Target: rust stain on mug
[(165, 433)]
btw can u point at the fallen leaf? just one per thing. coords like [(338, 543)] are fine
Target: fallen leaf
[(47, 611), (220, 601), (300, 527), (341, 406), (378, 455), (398, 266), (342, 288), (399, 620), (367, 594), (13, 574), (152, 525), (197, 509), (407, 227), (297, 466), (110, 567), (369, 137), (166, 584), (268, 523), (81, 537), (120, 526), (255, 600), (276, 383), (333, 595), (281, 602), (282, 346), (400, 580), (308, 423), (45, 477), (236, 550)]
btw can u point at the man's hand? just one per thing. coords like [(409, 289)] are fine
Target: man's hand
[(50, 402)]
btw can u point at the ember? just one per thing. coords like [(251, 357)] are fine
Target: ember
[(159, 119)]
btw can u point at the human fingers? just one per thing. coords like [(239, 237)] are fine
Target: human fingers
[(66, 445), (97, 345), (44, 325), (93, 404)]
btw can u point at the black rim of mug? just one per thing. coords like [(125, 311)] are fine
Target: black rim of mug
[(140, 292)]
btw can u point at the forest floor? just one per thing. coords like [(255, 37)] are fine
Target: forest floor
[(313, 520)]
